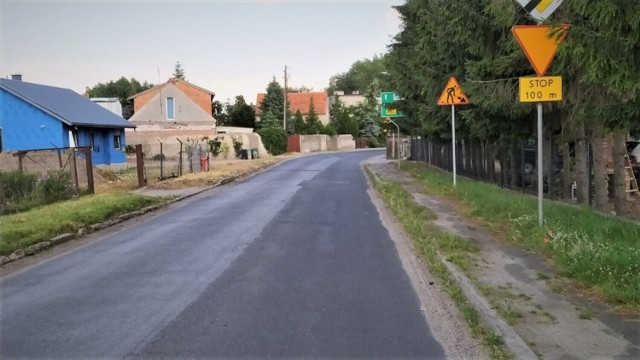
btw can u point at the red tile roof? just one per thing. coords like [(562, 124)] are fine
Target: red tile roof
[(301, 101)]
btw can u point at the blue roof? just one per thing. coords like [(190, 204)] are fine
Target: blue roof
[(64, 104)]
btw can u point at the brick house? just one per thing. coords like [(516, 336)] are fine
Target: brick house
[(302, 102), (176, 101), (173, 110)]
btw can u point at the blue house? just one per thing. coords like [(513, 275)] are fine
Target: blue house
[(34, 116)]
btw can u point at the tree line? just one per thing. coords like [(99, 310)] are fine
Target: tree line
[(472, 40)]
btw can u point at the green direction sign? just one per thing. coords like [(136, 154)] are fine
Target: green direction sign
[(386, 110), (388, 97), (389, 112)]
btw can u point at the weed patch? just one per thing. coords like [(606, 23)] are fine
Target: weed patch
[(432, 243), (601, 253), (42, 223)]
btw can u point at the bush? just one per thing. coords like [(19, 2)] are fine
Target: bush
[(56, 186), (274, 139), (24, 191), (328, 130), (159, 157), (215, 146), (237, 146), (225, 151), (18, 185), (130, 149)]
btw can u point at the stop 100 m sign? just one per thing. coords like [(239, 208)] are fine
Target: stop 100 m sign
[(539, 89)]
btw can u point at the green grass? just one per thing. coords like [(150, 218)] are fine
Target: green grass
[(19, 231), (509, 314), (586, 314), (602, 253), (432, 243)]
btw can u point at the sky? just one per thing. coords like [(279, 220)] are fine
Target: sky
[(229, 47)]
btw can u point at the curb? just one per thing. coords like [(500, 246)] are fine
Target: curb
[(512, 340)]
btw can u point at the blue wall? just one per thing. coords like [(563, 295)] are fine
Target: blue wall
[(104, 151), (25, 127)]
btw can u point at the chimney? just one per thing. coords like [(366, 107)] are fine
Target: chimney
[(16, 77)]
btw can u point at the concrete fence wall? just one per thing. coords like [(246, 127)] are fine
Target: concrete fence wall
[(313, 143), (150, 141)]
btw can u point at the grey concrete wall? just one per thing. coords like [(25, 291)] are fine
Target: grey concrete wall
[(171, 145), (312, 143)]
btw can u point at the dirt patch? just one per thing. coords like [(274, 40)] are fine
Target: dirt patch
[(218, 172), (127, 179)]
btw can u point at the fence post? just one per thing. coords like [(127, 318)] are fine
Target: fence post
[(74, 168), (59, 158), (2, 198), (21, 156), (161, 163), (140, 166), (522, 166), (180, 159), (89, 161)]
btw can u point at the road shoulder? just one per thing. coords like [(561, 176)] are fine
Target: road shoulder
[(542, 309)]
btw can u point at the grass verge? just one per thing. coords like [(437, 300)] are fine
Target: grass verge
[(432, 243), (40, 224), (602, 253)]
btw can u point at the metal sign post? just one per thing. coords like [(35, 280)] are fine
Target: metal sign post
[(540, 48), (453, 95), (453, 140), (540, 179), (394, 141)]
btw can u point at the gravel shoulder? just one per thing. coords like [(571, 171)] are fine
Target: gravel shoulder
[(545, 310)]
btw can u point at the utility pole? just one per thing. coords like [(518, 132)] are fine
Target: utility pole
[(284, 113)]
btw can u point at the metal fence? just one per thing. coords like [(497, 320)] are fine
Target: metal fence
[(509, 166), (37, 166), (187, 160), (515, 167)]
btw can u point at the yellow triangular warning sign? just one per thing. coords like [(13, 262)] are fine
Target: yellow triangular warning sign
[(452, 94), (539, 48)]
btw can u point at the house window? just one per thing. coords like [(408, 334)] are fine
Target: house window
[(171, 109), (117, 144)]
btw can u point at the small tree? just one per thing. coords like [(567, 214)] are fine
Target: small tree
[(299, 127), (328, 130), (178, 72), (221, 112), (274, 139), (273, 103), (269, 119), (313, 123), (242, 114), (215, 146)]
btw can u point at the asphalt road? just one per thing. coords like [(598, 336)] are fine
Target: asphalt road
[(292, 263)]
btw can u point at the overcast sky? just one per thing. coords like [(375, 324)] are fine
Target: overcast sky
[(229, 47)]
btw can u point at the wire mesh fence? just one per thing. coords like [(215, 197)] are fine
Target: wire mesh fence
[(30, 178)]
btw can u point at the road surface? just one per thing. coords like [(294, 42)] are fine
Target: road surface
[(292, 263)]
